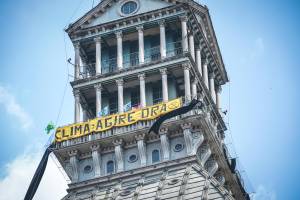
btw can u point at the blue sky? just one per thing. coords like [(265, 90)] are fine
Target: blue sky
[(260, 47)]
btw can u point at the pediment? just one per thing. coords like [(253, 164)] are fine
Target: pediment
[(108, 11)]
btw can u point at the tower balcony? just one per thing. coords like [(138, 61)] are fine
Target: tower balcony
[(199, 116), (130, 60)]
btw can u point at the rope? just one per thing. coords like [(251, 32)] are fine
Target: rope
[(66, 84), (58, 165), (74, 13)]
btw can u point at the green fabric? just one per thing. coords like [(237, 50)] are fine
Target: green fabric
[(49, 127)]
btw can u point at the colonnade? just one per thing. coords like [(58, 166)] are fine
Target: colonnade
[(119, 41), (142, 83), (190, 91), (188, 45)]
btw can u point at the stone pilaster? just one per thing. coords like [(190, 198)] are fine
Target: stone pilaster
[(141, 148), (165, 146), (74, 163), (119, 154), (96, 159), (186, 127)]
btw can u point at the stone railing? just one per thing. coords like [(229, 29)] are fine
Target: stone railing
[(131, 60), (139, 126)]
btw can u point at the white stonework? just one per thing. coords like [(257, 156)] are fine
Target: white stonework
[(135, 54)]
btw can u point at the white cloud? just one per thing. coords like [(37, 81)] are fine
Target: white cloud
[(18, 176), (14, 109), (264, 193)]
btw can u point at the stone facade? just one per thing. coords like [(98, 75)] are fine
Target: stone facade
[(136, 53)]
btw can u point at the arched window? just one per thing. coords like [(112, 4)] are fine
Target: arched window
[(155, 156), (110, 167)]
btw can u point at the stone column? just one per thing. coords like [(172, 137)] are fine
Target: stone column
[(96, 159), (85, 115), (192, 46), (142, 90), (187, 137), (184, 33), (119, 154), (98, 55), (187, 82), (205, 73), (119, 50), (199, 60), (77, 106), (142, 149), (218, 97), (162, 30), (141, 44), (74, 164), (165, 146), (164, 78), (77, 61), (212, 86), (98, 88), (194, 89), (120, 84)]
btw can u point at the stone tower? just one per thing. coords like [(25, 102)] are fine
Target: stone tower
[(134, 61)]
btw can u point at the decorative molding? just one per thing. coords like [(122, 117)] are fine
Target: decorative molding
[(73, 152), (98, 86), (120, 82), (140, 28), (161, 185), (95, 147), (211, 166), (97, 39), (76, 93), (76, 45), (183, 18), (163, 71), (198, 142), (186, 66), (184, 181), (119, 34), (186, 127), (165, 146), (142, 149), (141, 76)]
